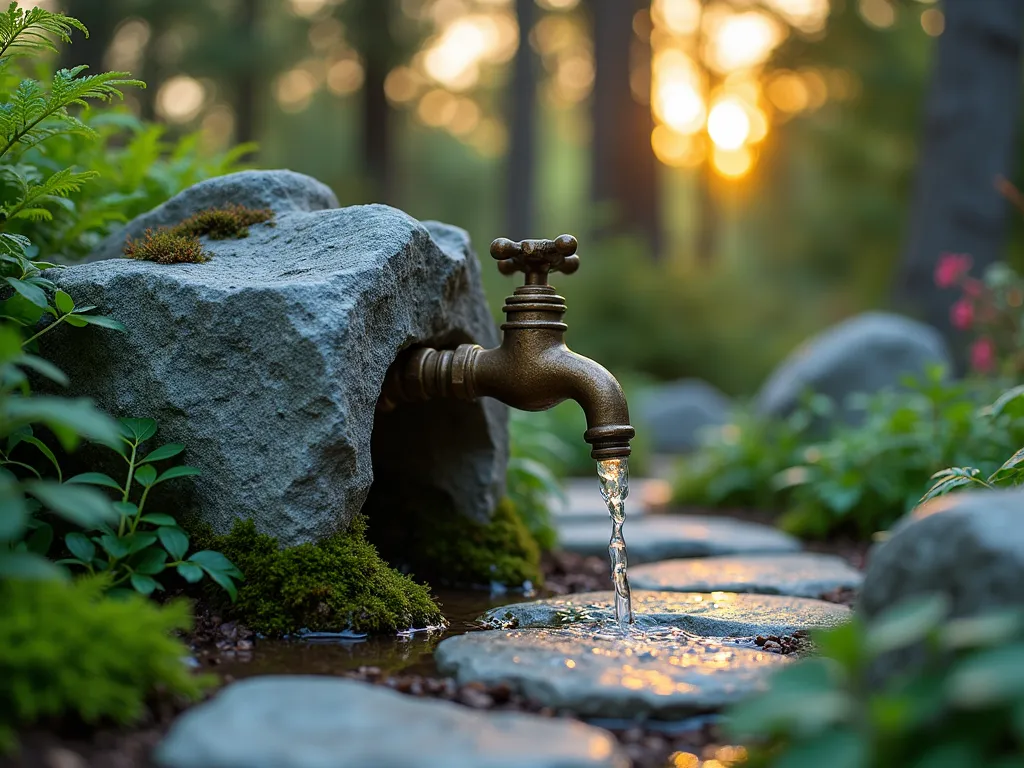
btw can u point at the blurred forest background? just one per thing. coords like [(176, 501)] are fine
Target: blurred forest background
[(740, 173)]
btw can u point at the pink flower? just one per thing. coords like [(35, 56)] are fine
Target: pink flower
[(972, 288), (962, 314), (983, 355), (951, 267)]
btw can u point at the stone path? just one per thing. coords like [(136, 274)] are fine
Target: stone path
[(585, 502), (803, 574), (672, 677), (718, 614), (326, 722), (664, 537)]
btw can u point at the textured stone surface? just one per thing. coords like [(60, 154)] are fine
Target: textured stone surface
[(867, 353), (667, 677), (675, 414), (717, 614), (663, 537), (967, 546), (267, 360), (323, 722), (802, 574)]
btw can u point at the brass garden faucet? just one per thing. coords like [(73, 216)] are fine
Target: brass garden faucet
[(533, 369)]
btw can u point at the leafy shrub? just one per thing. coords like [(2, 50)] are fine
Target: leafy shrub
[(66, 650), (335, 584), (962, 704), (136, 551), (858, 479)]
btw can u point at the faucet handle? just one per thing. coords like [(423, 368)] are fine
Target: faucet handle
[(536, 258)]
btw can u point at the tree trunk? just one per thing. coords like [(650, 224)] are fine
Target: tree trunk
[(246, 88), (376, 110), (970, 129), (101, 19), (521, 173), (624, 170)]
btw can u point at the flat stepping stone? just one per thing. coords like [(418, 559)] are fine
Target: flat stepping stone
[(665, 537), (802, 574), (708, 614), (326, 722), (666, 677)]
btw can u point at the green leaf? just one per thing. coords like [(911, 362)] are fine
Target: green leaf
[(906, 624), (139, 429), (76, 321), (40, 540), (32, 293), (84, 507), (64, 302), (114, 546), (215, 562), (1013, 461), (26, 565), (175, 541), (145, 475), (151, 562), (102, 321), (1009, 402), (80, 546), (158, 519), (139, 541), (164, 452), (144, 584), (68, 419), (125, 508), (225, 581), (988, 678), (43, 449), (190, 573), (13, 510), (95, 478), (44, 368), (174, 472)]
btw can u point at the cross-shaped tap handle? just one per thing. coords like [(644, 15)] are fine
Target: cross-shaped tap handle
[(536, 257)]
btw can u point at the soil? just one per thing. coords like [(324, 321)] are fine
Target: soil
[(226, 648)]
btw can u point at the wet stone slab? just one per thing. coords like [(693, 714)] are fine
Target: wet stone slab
[(802, 574), (584, 502), (664, 675), (664, 537), (708, 614), (324, 722)]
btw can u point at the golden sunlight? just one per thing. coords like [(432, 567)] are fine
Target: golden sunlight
[(729, 124), (180, 99), (742, 40), (733, 163)]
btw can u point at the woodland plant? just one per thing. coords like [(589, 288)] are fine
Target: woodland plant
[(960, 704)]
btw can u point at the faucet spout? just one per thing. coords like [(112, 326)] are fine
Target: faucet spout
[(532, 369)]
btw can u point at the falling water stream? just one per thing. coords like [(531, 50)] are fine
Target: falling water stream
[(614, 476)]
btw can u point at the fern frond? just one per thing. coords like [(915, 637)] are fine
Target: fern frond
[(22, 118), (52, 191), (24, 32)]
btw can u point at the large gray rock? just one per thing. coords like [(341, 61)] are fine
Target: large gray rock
[(969, 547), (801, 574), (667, 677), (867, 353), (663, 537), (674, 415), (267, 360), (325, 722), (718, 614)]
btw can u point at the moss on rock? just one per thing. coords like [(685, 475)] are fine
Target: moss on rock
[(335, 584), (180, 244), (452, 549)]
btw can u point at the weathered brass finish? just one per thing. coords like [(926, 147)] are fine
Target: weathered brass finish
[(533, 369)]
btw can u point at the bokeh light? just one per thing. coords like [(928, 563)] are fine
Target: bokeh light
[(180, 99), (728, 124)]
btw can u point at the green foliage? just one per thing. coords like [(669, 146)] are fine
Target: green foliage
[(336, 584), (961, 704), (1008, 406), (143, 544), (180, 244), (67, 650), (166, 246), (536, 462), (857, 479)]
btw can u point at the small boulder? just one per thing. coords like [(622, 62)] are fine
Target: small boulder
[(267, 360), (969, 547), (867, 353), (674, 415)]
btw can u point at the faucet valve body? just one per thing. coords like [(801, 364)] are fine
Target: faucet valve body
[(533, 369)]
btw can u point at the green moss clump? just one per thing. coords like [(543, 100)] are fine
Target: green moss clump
[(66, 650), (180, 244), (455, 550), (338, 583), (165, 246), (231, 222)]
